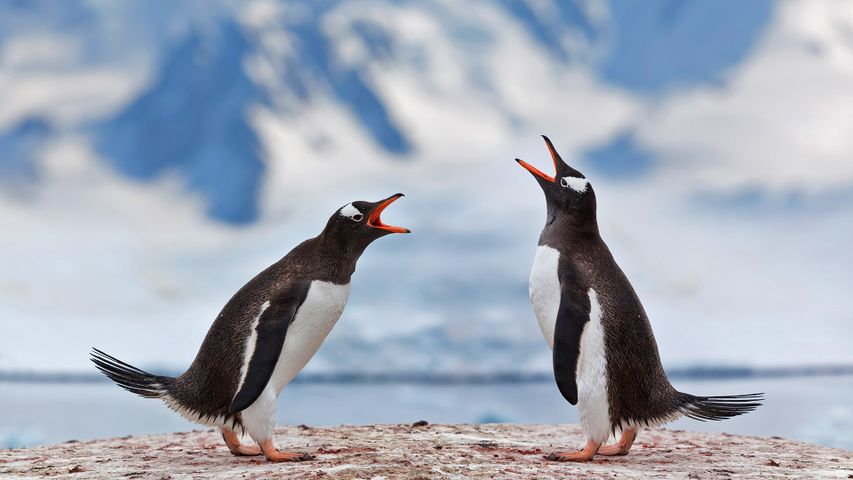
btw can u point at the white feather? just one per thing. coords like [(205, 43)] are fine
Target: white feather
[(314, 320), (259, 419), (591, 376), (349, 210), (191, 414), (575, 183), (544, 288)]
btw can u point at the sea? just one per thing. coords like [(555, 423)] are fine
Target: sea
[(811, 408)]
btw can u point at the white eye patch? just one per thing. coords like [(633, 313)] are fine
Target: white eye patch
[(352, 213), (577, 184)]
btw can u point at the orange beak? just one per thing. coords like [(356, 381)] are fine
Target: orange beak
[(535, 171), (375, 221)]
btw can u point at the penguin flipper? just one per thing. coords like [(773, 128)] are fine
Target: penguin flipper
[(571, 319), (271, 330)]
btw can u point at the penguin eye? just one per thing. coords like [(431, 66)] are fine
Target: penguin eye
[(564, 182), (357, 217)]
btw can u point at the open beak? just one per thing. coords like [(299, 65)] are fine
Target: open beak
[(535, 171), (375, 221)]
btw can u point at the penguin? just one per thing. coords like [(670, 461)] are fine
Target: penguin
[(605, 357), (265, 335)]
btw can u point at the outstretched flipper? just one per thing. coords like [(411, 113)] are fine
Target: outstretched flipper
[(269, 330)]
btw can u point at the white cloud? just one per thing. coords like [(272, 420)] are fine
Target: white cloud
[(781, 122)]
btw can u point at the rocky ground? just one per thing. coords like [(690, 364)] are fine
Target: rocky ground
[(428, 452)]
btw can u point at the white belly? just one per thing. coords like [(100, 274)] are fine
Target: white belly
[(314, 320), (545, 290), (591, 373), (591, 376)]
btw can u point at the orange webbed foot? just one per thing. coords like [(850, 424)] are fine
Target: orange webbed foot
[(275, 455), (279, 456), (234, 445), (623, 446), (581, 456), (245, 450)]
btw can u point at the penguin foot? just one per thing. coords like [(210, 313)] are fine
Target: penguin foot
[(622, 446), (279, 456), (275, 455), (245, 450), (234, 445), (582, 456)]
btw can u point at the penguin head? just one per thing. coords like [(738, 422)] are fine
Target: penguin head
[(568, 193), (359, 223)]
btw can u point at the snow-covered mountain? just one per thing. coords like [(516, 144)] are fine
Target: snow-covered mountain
[(155, 155), (192, 114)]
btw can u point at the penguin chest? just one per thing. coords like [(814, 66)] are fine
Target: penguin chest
[(314, 319), (545, 290)]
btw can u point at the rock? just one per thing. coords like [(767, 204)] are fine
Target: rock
[(441, 451)]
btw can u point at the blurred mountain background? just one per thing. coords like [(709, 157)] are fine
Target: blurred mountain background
[(155, 155)]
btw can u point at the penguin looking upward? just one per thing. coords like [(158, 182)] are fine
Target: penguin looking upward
[(604, 353), (264, 335)]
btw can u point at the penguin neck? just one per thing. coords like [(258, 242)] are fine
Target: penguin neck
[(337, 256), (564, 228)]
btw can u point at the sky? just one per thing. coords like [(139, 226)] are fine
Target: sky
[(154, 157)]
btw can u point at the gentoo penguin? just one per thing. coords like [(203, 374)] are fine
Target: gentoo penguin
[(604, 353), (264, 335)]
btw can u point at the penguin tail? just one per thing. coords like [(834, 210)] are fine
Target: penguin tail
[(718, 407), (131, 378)]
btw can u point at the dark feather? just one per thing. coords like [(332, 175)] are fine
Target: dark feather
[(129, 377), (719, 407), (572, 316)]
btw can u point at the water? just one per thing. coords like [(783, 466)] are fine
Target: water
[(811, 409)]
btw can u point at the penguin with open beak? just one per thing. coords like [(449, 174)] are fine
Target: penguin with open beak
[(605, 357), (265, 335)]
